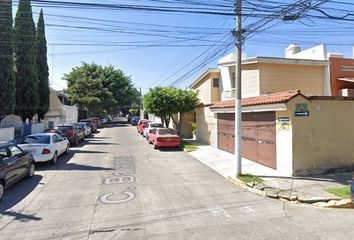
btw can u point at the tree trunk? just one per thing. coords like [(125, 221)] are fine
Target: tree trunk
[(178, 122), (165, 120)]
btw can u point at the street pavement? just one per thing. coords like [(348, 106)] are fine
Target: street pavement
[(116, 186)]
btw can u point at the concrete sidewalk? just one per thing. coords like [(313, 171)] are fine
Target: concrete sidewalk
[(307, 188)]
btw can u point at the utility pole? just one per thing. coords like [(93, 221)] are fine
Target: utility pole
[(141, 105), (238, 76)]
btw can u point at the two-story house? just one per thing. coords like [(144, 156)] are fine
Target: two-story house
[(276, 120)]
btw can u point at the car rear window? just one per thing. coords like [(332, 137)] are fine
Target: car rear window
[(44, 139), (166, 132), (63, 128)]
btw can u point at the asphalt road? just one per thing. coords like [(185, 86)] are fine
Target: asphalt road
[(116, 186)]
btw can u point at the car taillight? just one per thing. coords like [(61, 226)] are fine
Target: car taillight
[(46, 151), (70, 131)]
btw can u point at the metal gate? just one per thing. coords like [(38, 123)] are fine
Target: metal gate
[(258, 136)]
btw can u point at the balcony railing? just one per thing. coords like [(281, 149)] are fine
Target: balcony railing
[(229, 93)]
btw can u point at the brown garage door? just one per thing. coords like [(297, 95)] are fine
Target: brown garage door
[(226, 132), (258, 136)]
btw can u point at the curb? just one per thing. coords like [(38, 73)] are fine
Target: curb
[(244, 186), (281, 195)]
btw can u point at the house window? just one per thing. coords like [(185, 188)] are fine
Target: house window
[(215, 82)]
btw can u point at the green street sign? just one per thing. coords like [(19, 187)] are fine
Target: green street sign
[(301, 107)]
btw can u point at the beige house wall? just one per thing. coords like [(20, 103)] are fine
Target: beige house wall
[(282, 77), (206, 126), (204, 91), (250, 80), (323, 140), (215, 93)]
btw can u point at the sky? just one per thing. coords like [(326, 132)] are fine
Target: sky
[(168, 48)]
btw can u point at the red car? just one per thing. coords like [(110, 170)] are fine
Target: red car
[(140, 126), (164, 137)]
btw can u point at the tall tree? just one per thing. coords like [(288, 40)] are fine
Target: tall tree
[(42, 69), (91, 94), (25, 58), (7, 77), (113, 80)]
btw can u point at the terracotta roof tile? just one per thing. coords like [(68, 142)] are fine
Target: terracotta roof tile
[(280, 97)]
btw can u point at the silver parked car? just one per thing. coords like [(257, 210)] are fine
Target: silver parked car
[(149, 127), (45, 147), (87, 128)]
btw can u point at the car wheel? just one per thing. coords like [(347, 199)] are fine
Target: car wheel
[(67, 150), (54, 159), (31, 170), (2, 190)]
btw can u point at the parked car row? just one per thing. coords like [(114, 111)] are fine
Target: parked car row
[(17, 159), (158, 135)]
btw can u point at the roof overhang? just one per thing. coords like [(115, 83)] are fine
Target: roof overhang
[(274, 60), (256, 108), (346, 79), (203, 75)]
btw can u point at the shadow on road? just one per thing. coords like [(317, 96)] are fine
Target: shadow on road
[(15, 194), (63, 163), (93, 141), (170, 149)]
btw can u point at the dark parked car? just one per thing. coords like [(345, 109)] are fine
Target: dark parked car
[(71, 132), (15, 164), (92, 124), (135, 120)]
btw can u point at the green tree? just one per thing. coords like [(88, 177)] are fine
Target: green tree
[(186, 101), (121, 86), (25, 58), (7, 77), (133, 111), (91, 94), (114, 80), (170, 103), (42, 69)]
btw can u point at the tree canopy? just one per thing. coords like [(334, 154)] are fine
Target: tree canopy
[(7, 77), (101, 89), (167, 102)]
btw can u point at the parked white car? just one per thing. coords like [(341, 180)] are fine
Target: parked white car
[(150, 127), (45, 146), (87, 128)]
